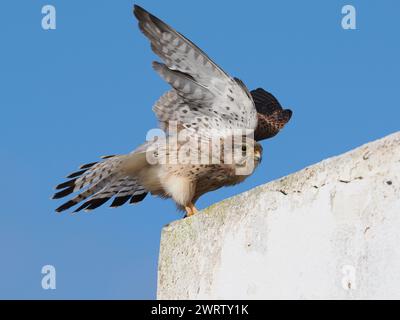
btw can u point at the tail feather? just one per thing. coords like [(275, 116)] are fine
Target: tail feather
[(63, 193), (102, 181), (92, 204), (76, 174), (108, 156), (66, 184), (138, 197), (87, 165), (82, 196), (119, 201)]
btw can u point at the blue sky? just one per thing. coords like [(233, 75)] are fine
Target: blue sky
[(86, 89)]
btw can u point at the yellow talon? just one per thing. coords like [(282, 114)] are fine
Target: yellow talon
[(190, 210)]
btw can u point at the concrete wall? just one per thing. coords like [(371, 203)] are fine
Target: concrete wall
[(331, 231)]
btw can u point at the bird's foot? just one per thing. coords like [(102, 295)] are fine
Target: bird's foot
[(190, 210)]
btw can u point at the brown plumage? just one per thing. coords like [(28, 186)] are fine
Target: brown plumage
[(271, 116), (209, 107)]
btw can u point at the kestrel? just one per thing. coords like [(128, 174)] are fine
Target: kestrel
[(206, 106)]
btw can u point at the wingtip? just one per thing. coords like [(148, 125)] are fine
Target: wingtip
[(157, 65), (136, 7), (289, 113), (138, 11)]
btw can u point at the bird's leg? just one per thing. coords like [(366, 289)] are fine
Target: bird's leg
[(190, 210), (194, 210)]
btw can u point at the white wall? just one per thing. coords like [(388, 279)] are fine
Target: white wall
[(340, 215)]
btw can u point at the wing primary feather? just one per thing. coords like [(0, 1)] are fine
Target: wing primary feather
[(197, 80), (161, 34), (271, 116), (265, 102)]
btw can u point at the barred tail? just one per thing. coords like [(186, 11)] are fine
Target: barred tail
[(99, 182)]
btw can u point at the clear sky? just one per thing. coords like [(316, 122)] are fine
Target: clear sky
[(86, 89)]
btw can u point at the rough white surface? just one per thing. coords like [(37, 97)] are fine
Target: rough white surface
[(330, 231)]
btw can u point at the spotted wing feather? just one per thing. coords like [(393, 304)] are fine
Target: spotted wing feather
[(206, 97)]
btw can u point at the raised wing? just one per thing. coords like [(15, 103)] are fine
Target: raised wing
[(271, 116), (206, 97)]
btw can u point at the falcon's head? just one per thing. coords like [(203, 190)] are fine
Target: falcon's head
[(248, 155)]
